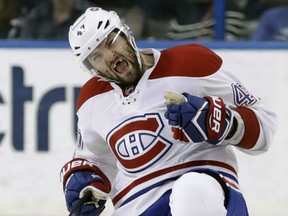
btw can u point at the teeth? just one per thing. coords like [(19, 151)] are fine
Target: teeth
[(117, 63)]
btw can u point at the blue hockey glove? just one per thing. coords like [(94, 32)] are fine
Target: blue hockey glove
[(85, 191), (195, 119), (77, 185)]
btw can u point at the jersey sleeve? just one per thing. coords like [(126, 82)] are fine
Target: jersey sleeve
[(100, 156), (202, 71), (90, 145), (259, 122)]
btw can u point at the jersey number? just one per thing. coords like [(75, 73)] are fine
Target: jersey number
[(241, 96)]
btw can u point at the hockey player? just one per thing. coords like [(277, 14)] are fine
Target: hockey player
[(157, 129)]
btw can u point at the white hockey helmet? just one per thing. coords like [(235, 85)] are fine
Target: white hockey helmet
[(91, 28)]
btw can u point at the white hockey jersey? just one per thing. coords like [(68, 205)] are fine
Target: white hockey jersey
[(130, 141)]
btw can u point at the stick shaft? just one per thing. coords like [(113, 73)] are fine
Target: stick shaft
[(84, 199)]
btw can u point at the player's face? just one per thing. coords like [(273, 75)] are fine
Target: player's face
[(115, 59)]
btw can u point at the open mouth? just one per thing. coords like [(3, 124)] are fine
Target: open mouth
[(121, 66)]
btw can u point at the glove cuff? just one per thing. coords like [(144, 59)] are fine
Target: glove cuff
[(218, 120), (80, 164)]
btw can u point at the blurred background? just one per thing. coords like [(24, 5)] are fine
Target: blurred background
[(229, 20), (40, 81)]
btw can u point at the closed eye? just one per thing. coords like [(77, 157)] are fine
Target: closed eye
[(95, 56), (109, 42)]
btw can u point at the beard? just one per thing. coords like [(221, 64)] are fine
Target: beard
[(135, 74)]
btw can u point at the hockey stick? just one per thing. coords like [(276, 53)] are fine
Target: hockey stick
[(84, 199)]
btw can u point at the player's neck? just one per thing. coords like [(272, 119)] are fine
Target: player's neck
[(147, 61)]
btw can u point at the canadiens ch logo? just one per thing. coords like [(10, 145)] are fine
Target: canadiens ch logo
[(137, 142)]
